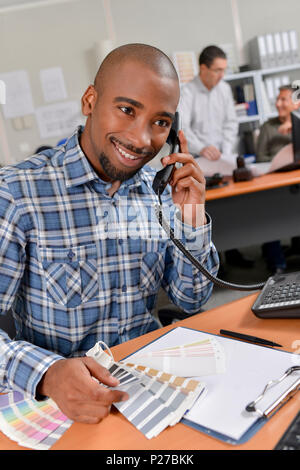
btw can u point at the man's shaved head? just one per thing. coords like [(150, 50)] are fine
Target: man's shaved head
[(130, 109), (150, 56)]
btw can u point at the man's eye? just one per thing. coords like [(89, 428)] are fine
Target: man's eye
[(162, 123), (126, 109)]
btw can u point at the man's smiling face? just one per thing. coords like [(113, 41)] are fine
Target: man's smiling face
[(129, 119)]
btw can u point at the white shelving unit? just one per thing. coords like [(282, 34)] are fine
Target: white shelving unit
[(258, 81)]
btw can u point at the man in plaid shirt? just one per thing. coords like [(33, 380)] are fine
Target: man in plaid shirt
[(82, 256)]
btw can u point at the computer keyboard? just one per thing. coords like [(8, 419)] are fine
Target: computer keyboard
[(290, 440)]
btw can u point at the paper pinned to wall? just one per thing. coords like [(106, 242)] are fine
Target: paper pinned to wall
[(186, 65), (59, 119), (19, 101), (53, 84)]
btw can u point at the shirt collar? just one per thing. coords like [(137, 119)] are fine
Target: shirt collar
[(202, 86), (78, 170)]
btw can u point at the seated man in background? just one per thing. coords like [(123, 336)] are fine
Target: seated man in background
[(274, 135), (277, 132), (209, 119)]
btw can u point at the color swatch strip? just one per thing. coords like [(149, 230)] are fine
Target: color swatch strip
[(31, 423), (204, 357), (156, 399)]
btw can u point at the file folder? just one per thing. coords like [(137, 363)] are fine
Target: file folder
[(258, 53), (277, 85), (279, 49), (270, 92), (294, 46), (287, 54), (270, 51)]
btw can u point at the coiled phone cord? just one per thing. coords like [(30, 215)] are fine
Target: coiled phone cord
[(195, 262)]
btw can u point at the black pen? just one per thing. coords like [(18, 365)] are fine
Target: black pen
[(253, 339)]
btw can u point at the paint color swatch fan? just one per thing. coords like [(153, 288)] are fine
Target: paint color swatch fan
[(31, 423), (159, 383)]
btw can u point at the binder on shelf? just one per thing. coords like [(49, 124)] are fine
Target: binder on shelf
[(270, 90), (287, 54), (250, 98), (241, 109), (294, 46), (277, 85), (285, 80), (278, 49), (258, 53), (266, 103), (270, 50)]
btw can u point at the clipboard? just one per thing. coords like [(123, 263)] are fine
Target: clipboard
[(258, 377)]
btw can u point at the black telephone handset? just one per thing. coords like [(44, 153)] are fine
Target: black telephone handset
[(163, 176)]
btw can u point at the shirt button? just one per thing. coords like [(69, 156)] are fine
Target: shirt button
[(71, 254), (124, 288)]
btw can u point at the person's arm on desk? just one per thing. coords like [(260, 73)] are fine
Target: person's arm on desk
[(262, 147), (22, 363), (29, 368)]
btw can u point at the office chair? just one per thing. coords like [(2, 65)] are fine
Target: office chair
[(171, 313), (7, 324)]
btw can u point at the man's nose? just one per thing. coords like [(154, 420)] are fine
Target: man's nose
[(140, 134)]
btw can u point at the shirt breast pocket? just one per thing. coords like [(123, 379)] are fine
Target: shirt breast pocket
[(152, 269), (71, 274)]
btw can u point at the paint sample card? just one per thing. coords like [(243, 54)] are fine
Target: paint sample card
[(204, 357), (156, 399), (31, 423)]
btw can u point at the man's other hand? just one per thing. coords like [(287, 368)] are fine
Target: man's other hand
[(71, 384), (210, 152)]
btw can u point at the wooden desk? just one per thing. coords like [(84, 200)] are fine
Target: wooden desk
[(116, 433), (253, 212)]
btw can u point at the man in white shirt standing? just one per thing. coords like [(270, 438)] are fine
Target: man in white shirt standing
[(210, 123)]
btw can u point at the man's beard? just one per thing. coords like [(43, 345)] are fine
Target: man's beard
[(113, 173)]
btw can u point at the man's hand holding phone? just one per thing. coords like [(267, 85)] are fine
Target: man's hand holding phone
[(188, 185)]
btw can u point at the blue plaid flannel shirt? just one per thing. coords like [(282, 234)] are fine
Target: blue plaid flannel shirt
[(71, 271)]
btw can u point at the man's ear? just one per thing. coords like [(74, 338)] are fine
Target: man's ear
[(88, 100)]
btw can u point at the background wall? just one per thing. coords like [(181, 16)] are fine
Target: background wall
[(68, 35)]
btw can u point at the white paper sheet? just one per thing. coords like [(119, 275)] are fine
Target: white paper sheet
[(53, 84), (59, 119), (225, 165), (285, 156), (19, 100)]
